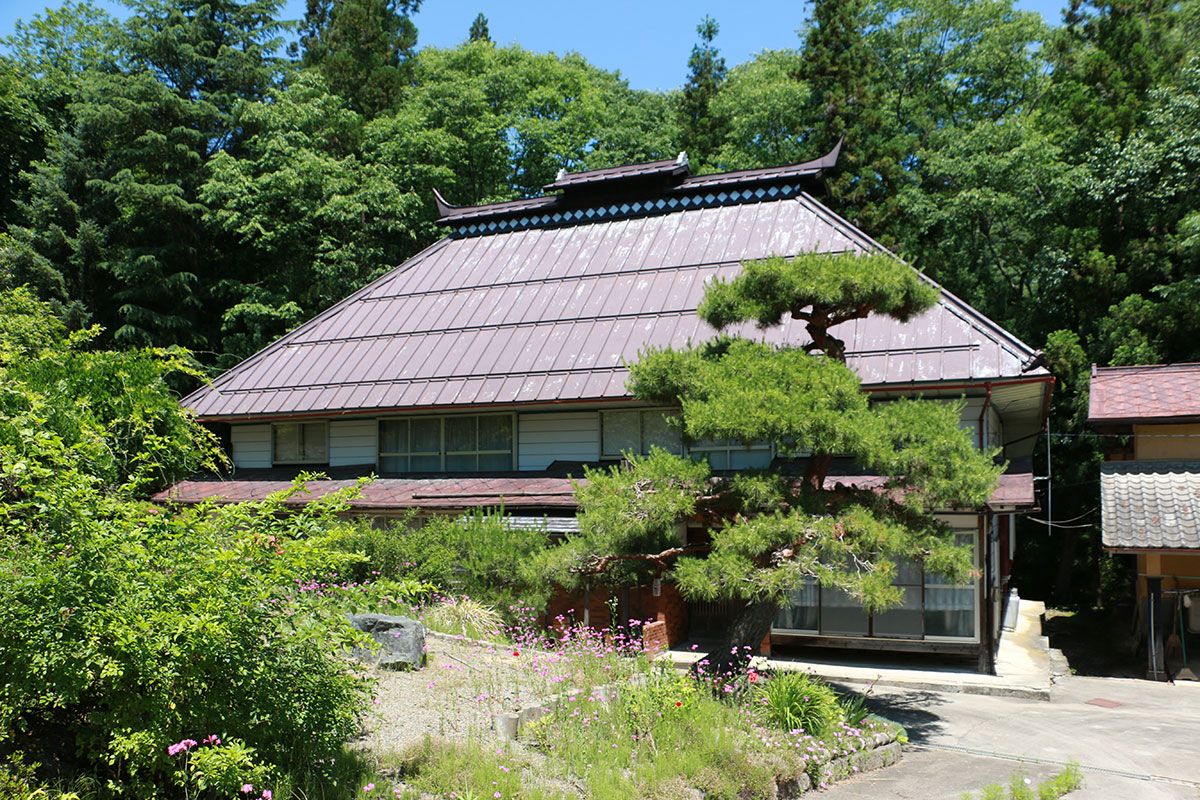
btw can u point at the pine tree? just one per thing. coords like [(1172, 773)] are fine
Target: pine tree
[(479, 29), (114, 208), (702, 134), (843, 76), (771, 530), (363, 49)]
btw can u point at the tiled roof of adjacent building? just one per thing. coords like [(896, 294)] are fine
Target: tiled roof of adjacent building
[(1158, 393), (536, 301), (1150, 505)]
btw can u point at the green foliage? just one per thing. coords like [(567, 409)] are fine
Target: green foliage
[(750, 391), (112, 413), (766, 290), (699, 129), (778, 528), (626, 509), (509, 119), (766, 108), (128, 629), (665, 693), (364, 48), (18, 779), (403, 548), (479, 29), (477, 555), (223, 769), (797, 700), (854, 709), (165, 627)]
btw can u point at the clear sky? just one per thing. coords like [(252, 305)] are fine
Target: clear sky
[(647, 41)]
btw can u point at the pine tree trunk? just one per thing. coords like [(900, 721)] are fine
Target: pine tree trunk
[(749, 626)]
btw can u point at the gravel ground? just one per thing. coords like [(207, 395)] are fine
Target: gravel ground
[(462, 685)]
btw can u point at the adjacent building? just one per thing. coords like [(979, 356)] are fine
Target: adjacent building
[(491, 367), (1150, 498)]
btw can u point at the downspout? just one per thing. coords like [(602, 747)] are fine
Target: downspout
[(987, 402), (988, 665)]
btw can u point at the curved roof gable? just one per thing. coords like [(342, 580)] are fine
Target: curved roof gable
[(551, 310)]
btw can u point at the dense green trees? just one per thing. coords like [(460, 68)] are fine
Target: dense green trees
[(176, 181)]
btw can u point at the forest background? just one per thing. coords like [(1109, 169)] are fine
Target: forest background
[(184, 178)]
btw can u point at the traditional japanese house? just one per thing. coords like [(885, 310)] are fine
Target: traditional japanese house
[(488, 368), (1150, 501)]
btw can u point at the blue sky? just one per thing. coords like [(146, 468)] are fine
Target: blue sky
[(647, 41)]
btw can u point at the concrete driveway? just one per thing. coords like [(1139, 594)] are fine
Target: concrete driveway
[(1142, 742)]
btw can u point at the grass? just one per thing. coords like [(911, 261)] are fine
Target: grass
[(653, 736), (1020, 787)]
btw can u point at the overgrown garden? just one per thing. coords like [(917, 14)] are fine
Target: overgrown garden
[(204, 652)]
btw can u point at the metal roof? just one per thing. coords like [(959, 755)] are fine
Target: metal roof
[(383, 494), (1150, 505), (551, 310), (442, 493), (1159, 393)]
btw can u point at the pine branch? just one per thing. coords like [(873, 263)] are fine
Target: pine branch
[(599, 564)]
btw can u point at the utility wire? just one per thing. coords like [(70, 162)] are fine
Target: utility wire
[(1050, 524)]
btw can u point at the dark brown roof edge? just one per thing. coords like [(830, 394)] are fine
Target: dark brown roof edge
[(665, 166), (447, 212)]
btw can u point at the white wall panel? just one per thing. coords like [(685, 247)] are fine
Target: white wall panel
[(545, 438), (251, 446), (353, 441)]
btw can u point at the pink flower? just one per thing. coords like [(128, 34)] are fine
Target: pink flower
[(212, 739), (266, 795), (247, 788), (370, 787)]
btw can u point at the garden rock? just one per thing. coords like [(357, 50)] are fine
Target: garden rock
[(401, 641)]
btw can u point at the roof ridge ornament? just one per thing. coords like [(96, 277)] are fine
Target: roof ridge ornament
[(682, 158), (443, 207)]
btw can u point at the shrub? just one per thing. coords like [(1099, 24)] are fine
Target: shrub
[(797, 700), (477, 555), (127, 630), (402, 548)]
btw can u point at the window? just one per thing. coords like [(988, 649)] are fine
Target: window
[(446, 444), (300, 442), (731, 454), (931, 608), (950, 608), (637, 431)]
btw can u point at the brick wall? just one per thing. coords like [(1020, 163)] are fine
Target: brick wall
[(669, 608)]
